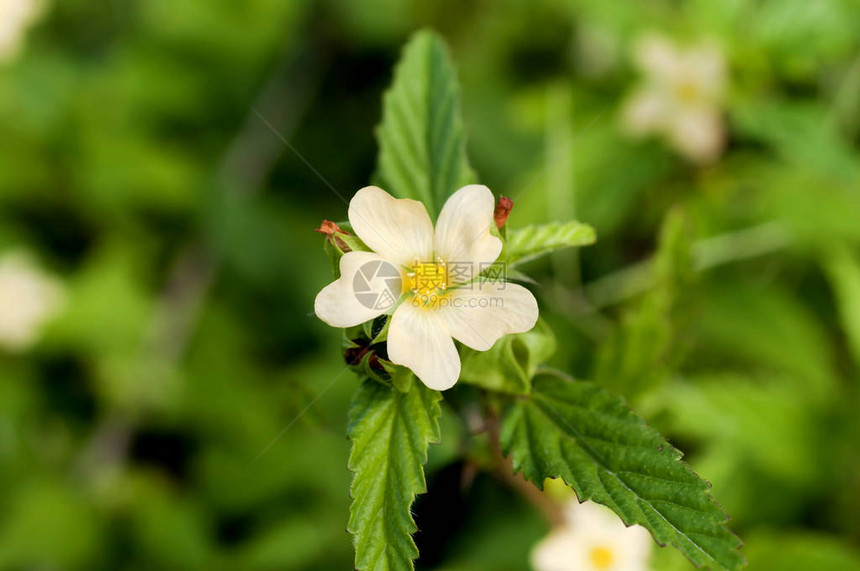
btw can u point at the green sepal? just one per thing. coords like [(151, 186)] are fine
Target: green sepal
[(365, 353), (376, 330), (339, 244), (509, 365)]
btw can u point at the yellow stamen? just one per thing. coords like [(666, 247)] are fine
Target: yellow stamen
[(687, 92), (425, 278), (602, 557)]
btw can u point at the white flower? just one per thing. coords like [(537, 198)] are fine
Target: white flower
[(680, 98), (28, 298), (16, 16), (431, 274), (593, 538)]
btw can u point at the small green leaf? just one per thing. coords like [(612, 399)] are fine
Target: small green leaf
[(844, 272), (531, 242), (641, 353), (588, 437), (422, 147), (511, 363), (390, 432)]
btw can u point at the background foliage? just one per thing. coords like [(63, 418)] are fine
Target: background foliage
[(138, 163)]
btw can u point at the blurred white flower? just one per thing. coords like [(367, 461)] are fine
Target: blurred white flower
[(28, 298), (427, 277), (16, 16), (680, 97), (593, 538)]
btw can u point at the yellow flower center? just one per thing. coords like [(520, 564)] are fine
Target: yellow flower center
[(687, 92), (601, 557), (425, 278)]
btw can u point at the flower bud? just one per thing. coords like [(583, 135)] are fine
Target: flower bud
[(502, 211), (335, 234), (369, 359)]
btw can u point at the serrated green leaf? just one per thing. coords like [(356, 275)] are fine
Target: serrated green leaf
[(390, 432), (422, 146), (531, 242), (509, 365), (588, 437)]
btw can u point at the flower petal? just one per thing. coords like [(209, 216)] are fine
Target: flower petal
[(354, 299), (417, 339), (399, 230), (698, 133), (647, 110), (656, 56), (704, 64), (481, 313), (561, 550), (29, 298), (463, 231)]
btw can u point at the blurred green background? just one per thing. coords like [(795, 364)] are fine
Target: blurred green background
[(140, 169)]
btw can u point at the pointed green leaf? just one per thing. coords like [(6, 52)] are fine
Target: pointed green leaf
[(390, 432), (588, 437), (422, 147), (531, 242), (640, 354), (844, 272)]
